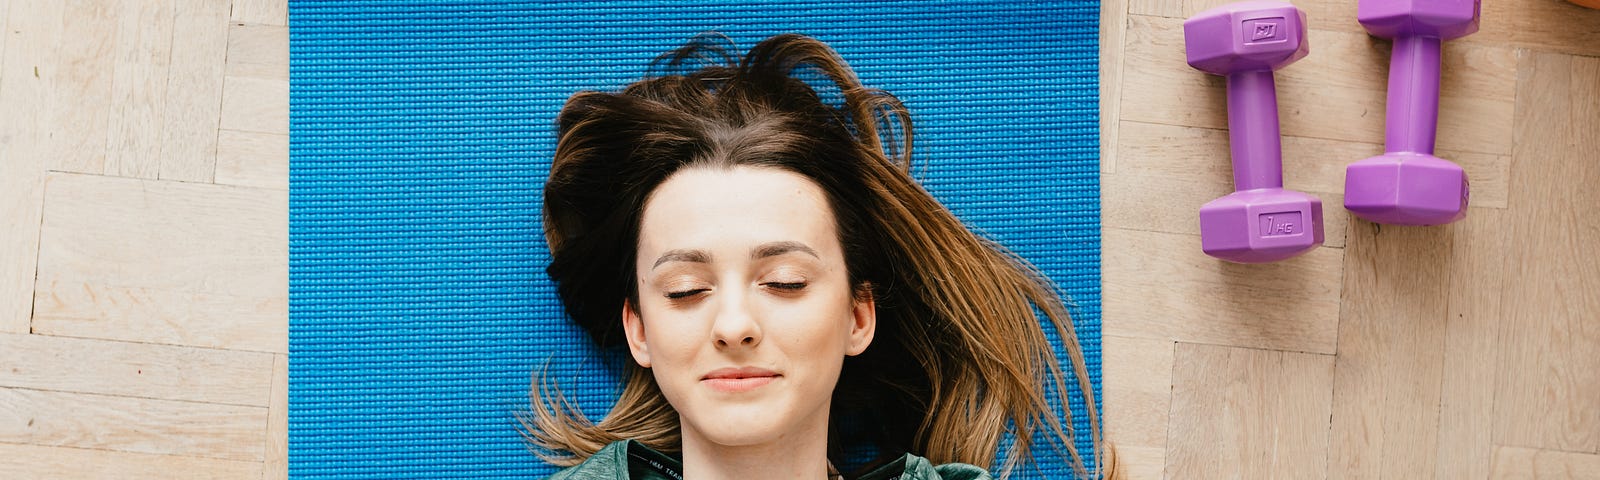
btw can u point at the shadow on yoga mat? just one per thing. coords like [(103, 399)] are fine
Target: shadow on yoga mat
[(421, 133)]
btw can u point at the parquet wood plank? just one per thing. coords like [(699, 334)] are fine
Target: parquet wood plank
[(276, 465), (142, 57), (144, 370), (67, 463), (1391, 352), (32, 31), (252, 159), (82, 86), (1519, 463), (261, 12), (1477, 278), (1161, 286), (1247, 413), (189, 130), (1548, 388), (128, 424), (191, 264)]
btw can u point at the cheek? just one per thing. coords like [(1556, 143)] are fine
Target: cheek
[(673, 341), (813, 327), (672, 336)]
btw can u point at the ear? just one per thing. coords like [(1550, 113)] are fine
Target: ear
[(633, 327), (863, 321)]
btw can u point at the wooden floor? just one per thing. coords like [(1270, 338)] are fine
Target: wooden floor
[(143, 254), (1466, 351), (143, 239)]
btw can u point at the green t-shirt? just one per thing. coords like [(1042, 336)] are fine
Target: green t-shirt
[(630, 460)]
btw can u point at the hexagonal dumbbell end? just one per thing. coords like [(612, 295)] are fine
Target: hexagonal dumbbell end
[(1245, 36), (1444, 19), (1261, 225), (1406, 189)]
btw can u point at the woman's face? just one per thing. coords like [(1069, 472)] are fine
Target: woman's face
[(745, 308)]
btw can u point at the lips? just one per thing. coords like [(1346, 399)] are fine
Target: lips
[(736, 380)]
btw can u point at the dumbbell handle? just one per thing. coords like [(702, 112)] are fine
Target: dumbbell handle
[(1413, 113), (1253, 130)]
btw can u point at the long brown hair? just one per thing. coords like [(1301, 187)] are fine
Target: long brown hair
[(961, 357)]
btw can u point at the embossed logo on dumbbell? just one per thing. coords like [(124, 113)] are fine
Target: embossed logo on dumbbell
[(1263, 30), (1280, 224)]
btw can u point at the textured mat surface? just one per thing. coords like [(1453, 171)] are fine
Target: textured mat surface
[(421, 133)]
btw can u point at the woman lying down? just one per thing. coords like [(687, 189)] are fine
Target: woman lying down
[(784, 287)]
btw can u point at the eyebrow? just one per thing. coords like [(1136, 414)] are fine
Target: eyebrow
[(779, 248), (764, 250), (683, 255)]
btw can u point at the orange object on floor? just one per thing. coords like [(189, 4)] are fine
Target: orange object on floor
[(1587, 3)]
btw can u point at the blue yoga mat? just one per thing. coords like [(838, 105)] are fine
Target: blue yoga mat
[(421, 133)]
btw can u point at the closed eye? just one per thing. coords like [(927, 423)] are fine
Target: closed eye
[(786, 285), (686, 293)]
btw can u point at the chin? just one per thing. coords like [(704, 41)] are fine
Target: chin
[(741, 437), (740, 425)]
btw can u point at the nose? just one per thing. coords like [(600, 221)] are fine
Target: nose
[(736, 324)]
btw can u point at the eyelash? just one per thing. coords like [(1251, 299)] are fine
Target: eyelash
[(785, 286), (684, 294), (790, 286)]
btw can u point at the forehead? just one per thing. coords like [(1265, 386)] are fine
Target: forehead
[(708, 208)]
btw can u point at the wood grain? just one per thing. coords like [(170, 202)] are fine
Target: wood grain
[(44, 362), (1473, 319), (1519, 463), (252, 159), (142, 53), (1391, 352), (1113, 22), (1247, 413), (261, 12), (1548, 393), (82, 85), (1159, 8), (198, 265), (49, 463), (255, 105), (1138, 388), (32, 29), (276, 466), (128, 424), (258, 51), (189, 129), (1139, 462), (5, 16), (1161, 286), (1547, 26)]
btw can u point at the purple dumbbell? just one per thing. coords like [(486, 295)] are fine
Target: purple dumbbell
[(1407, 185), (1260, 221)]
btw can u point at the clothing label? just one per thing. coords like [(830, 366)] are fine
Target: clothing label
[(656, 465)]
